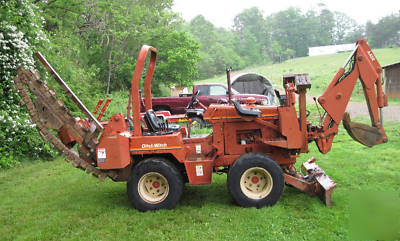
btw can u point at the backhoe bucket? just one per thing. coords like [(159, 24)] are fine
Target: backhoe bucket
[(366, 135)]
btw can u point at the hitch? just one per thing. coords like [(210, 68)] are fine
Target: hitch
[(313, 182)]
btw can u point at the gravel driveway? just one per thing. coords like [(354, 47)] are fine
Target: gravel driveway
[(390, 113)]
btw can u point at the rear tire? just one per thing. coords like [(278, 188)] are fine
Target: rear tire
[(255, 180), (154, 183)]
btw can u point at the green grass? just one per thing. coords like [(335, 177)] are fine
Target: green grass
[(320, 68), (54, 201)]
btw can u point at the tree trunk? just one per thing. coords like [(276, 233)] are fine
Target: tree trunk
[(109, 67)]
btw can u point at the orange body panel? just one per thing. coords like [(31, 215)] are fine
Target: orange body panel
[(113, 152), (240, 139), (273, 134), (289, 127), (224, 112), (169, 144), (199, 172), (115, 125), (197, 146), (113, 149)]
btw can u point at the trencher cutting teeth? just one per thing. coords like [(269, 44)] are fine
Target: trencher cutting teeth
[(41, 91)]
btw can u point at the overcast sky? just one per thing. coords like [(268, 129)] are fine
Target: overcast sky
[(222, 12)]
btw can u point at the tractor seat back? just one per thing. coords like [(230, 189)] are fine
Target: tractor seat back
[(152, 121), (245, 112), (157, 126)]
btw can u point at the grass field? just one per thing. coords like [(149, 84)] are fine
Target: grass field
[(320, 68), (54, 201)]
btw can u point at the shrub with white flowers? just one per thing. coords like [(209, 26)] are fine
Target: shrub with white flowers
[(21, 33)]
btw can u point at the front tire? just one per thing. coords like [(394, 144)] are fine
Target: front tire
[(255, 180), (154, 183)]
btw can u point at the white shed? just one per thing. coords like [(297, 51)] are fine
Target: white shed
[(330, 49)]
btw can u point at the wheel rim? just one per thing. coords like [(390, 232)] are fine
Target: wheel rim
[(153, 187), (256, 183)]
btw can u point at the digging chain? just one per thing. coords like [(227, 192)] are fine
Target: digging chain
[(41, 91)]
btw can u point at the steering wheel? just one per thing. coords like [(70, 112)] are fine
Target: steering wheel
[(193, 100)]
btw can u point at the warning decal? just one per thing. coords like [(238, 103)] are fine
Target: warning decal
[(199, 170), (101, 155)]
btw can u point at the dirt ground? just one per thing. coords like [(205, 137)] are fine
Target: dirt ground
[(390, 113)]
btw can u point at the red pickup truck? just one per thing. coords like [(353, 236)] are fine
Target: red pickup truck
[(209, 94)]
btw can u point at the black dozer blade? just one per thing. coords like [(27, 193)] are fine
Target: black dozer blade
[(366, 135)]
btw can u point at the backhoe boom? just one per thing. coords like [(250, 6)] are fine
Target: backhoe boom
[(362, 65)]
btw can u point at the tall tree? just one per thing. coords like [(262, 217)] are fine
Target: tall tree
[(386, 32), (250, 27), (107, 36), (343, 27), (217, 47), (178, 57), (204, 31), (289, 32), (326, 28)]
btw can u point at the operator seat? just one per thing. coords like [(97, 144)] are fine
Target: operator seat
[(245, 112), (157, 126)]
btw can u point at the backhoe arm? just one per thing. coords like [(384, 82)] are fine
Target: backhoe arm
[(362, 65)]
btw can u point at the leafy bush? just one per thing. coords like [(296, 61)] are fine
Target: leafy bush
[(20, 34)]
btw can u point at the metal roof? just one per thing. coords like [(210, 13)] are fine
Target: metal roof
[(390, 65)]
